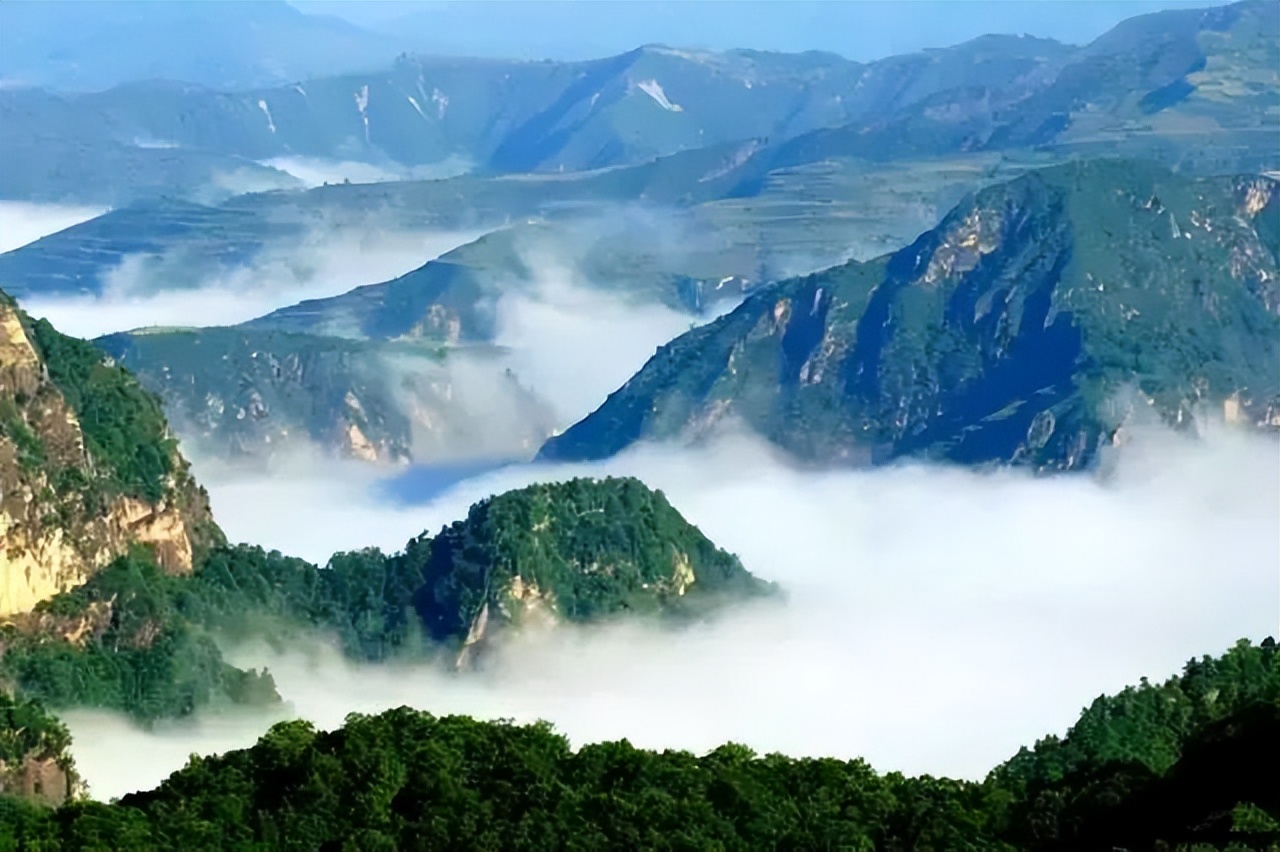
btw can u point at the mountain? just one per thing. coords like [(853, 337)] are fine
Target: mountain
[(1181, 764), (48, 156), (397, 371), (184, 242), (93, 46), (678, 216), (576, 551), (455, 298), (118, 587), (87, 467), (1011, 332), (1194, 88), (139, 641), (248, 393)]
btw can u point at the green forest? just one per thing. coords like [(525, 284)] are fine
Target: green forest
[(1185, 765), (147, 641)]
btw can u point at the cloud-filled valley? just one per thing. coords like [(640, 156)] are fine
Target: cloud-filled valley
[(23, 222), (159, 290), (572, 344), (937, 618), (745, 449)]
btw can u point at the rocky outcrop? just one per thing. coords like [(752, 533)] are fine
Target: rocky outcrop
[(1020, 330), (45, 780), (66, 509)]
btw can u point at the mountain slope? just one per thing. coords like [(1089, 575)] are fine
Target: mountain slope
[(1003, 334), (1193, 88), (139, 641), (245, 392), (1198, 89), (87, 467)]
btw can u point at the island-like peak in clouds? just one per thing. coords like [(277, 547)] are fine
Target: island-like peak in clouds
[(1025, 328), (87, 467), (576, 551)]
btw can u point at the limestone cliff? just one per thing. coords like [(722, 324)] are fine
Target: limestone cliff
[(87, 467)]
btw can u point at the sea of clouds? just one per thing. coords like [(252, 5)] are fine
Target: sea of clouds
[(936, 620)]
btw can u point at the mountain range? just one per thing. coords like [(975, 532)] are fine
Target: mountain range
[(1011, 252), (1024, 327), (1190, 87)]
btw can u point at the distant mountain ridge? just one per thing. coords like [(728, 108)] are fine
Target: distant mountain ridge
[(1002, 335), (1179, 84)]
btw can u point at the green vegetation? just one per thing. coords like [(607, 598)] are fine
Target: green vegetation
[(253, 390), (1128, 775), (27, 729), (123, 425), (120, 642), (92, 464), (1025, 328), (586, 549), (144, 642)]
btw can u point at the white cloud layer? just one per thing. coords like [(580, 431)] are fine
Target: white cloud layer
[(140, 293), (937, 620), (23, 222), (317, 171), (573, 344)]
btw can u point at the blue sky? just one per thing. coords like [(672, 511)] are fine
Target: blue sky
[(868, 29)]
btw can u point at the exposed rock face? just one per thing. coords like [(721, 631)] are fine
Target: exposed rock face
[(1034, 321), (63, 510), (44, 780)]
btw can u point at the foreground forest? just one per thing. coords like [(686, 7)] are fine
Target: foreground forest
[(1185, 765)]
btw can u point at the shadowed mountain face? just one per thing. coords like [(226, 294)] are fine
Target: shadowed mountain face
[(1024, 328), (1192, 87)]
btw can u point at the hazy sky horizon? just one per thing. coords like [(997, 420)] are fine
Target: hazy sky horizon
[(864, 30)]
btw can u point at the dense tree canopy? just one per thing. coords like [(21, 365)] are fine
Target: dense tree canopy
[(1122, 778), (138, 640)]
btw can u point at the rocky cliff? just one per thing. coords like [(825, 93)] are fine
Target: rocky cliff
[(1034, 321), (87, 467)]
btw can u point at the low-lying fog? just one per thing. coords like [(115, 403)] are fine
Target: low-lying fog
[(937, 620), (23, 222), (326, 262)]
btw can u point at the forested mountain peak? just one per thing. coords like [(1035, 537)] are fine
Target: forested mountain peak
[(580, 550)]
